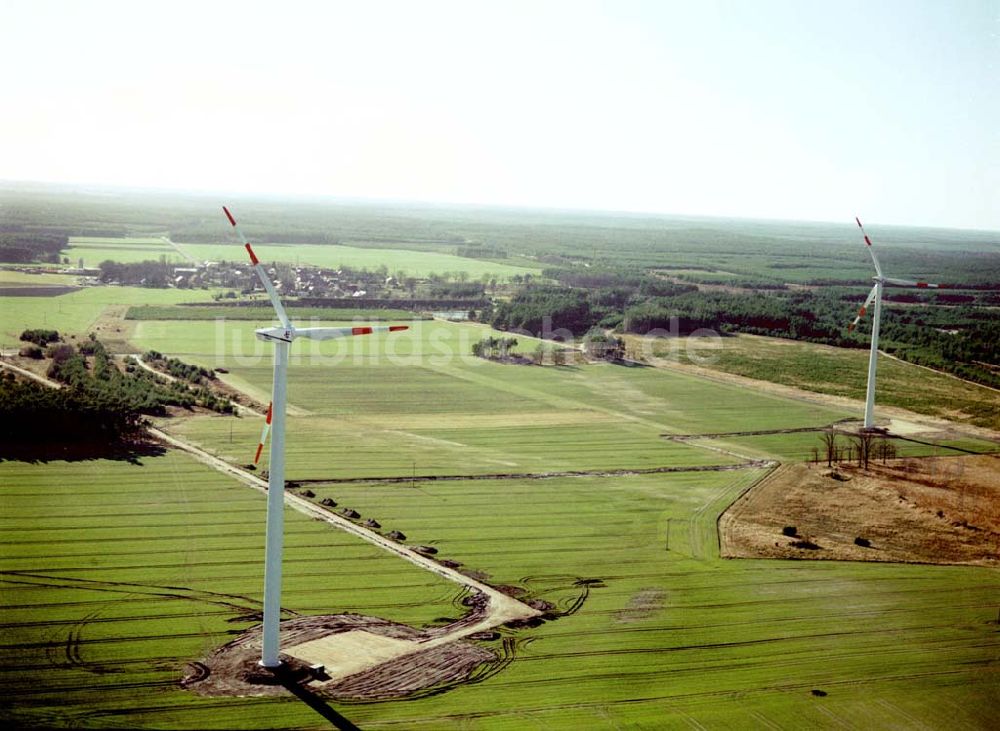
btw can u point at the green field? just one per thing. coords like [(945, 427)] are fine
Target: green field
[(839, 372), (9, 278), (77, 311), (416, 402), (414, 263), (116, 575)]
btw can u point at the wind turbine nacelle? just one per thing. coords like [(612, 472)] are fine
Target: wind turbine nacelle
[(270, 334)]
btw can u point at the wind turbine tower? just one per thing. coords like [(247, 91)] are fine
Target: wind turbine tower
[(281, 337)]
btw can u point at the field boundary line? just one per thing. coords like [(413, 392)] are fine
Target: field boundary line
[(623, 472), (735, 506)]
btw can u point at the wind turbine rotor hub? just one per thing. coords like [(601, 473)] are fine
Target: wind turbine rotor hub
[(270, 334)]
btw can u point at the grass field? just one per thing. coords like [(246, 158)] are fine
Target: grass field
[(77, 311), (117, 574), (840, 372), (416, 402), (680, 638), (108, 591), (414, 263), (9, 278)]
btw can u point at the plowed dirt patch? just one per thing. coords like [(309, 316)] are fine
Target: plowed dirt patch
[(933, 510)]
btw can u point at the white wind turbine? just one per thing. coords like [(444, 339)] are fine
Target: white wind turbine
[(876, 296), (282, 338)]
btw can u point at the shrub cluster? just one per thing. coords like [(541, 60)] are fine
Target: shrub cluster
[(40, 337)]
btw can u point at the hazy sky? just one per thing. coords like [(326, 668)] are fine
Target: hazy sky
[(799, 109)]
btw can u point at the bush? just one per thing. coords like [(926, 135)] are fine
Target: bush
[(30, 351), (39, 336), (808, 545), (60, 353), (789, 530), (89, 346)]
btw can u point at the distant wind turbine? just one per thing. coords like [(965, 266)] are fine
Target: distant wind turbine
[(282, 338), (876, 296)]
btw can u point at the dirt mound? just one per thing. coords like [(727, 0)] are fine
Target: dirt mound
[(232, 670), (935, 510)]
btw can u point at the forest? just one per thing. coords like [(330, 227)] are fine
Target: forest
[(33, 414), (960, 339)]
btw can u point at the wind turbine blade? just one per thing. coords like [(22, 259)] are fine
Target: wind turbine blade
[(868, 241), (329, 333), (263, 434), (908, 283), (181, 251), (864, 308), (261, 274)]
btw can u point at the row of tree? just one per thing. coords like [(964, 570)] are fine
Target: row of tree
[(178, 368), (493, 348), (863, 447)]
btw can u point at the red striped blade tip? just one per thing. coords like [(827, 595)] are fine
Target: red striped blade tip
[(260, 448), (229, 216), (267, 419), (397, 328), (361, 331), (253, 256)]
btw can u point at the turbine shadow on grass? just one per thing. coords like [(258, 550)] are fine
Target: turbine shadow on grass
[(294, 686)]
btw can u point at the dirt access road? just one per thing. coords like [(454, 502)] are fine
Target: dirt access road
[(500, 607)]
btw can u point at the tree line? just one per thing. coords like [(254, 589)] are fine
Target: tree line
[(25, 247), (960, 340)]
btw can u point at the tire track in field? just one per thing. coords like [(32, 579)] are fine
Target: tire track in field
[(693, 700)]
